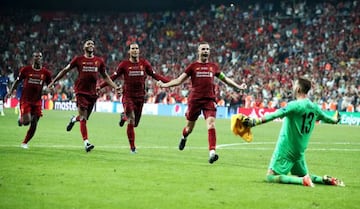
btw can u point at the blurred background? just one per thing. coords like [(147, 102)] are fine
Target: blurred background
[(265, 44)]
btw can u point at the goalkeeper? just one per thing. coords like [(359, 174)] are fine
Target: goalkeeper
[(300, 117)]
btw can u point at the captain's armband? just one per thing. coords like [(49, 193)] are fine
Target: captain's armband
[(221, 76)]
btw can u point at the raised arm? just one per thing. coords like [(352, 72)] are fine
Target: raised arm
[(175, 82), (59, 76), (109, 81), (231, 82)]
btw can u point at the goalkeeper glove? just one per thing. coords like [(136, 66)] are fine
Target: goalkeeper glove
[(251, 122), (337, 117)]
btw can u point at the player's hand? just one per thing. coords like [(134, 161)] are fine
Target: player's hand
[(243, 86), (118, 90), (98, 90), (51, 86), (251, 122), (337, 117)]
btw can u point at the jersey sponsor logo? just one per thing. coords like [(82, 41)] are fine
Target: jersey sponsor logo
[(136, 73), (37, 79), (90, 69), (206, 74)]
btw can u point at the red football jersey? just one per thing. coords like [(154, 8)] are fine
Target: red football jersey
[(134, 75), (88, 69), (33, 82), (202, 80)]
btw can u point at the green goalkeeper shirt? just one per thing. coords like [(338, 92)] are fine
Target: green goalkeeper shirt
[(300, 117)]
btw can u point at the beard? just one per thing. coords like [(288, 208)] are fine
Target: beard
[(90, 52), (37, 65)]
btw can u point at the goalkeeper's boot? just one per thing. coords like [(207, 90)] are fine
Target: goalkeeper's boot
[(123, 119), (307, 181), (71, 123), (182, 143), (213, 157), (333, 181), (89, 147)]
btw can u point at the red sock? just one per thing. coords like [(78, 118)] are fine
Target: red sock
[(83, 129), (212, 139), (131, 135), (30, 133), (77, 118)]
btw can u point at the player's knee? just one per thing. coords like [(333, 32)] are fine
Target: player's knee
[(210, 122)]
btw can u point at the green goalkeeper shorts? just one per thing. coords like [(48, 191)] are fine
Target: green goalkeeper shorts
[(283, 166)]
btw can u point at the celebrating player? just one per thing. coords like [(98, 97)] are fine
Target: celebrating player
[(33, 77), (202, 95), (88, 67), (134, 71), (289, 155)]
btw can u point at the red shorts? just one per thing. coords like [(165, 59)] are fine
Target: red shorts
[(195, 107), (134, 104), (85, 101), (31, 108)]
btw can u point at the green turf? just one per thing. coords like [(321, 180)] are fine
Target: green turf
[(56, 172)]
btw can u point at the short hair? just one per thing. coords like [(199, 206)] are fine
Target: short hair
[(204, 42), (133, 43), (89, 40), (37, 53), (304, 84)]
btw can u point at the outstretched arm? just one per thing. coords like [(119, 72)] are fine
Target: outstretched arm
[(330, 119), (175, 82), (59, 76), (105, 83), (13, 87), (108, 80), (231, 83), (251, 122), (160, 78)]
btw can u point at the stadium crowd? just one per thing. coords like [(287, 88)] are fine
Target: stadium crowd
[(264, 45)]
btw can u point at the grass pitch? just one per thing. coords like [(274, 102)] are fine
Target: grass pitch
[(56, 172)]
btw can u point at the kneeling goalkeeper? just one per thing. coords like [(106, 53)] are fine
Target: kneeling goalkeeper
[(300, 117)]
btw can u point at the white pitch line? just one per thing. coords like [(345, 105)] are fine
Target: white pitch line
[(233, 146)]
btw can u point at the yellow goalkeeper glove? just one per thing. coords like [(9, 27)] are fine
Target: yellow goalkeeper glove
[(251, 122), (337, 116)]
